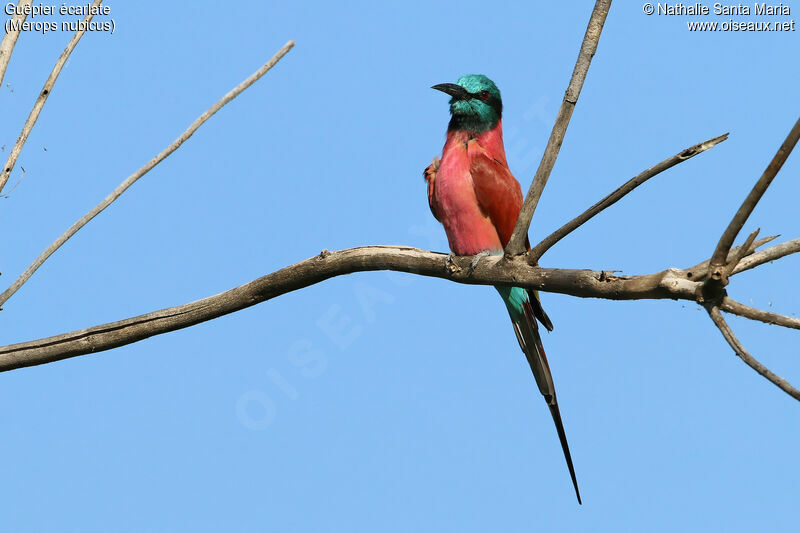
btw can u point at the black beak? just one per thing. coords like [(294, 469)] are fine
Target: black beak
[(456, 91)]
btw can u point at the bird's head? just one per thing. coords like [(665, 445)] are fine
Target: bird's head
[(475, 104)]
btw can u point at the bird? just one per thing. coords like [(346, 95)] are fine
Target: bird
[(473, 193)]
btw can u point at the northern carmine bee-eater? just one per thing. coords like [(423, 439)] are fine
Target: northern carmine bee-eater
[(473, 194)]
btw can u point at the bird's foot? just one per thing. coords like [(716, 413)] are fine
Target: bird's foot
[(451, 265), (432, 170), (475, 260)]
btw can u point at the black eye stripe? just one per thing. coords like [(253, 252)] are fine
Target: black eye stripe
[(490, 99)]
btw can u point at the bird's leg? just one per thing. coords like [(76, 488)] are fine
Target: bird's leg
[(451, 265), (474, 263)]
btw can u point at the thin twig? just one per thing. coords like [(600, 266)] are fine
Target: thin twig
[(699, 271), (716, 316), (743, 250), (42, 98), (10, 38), (516, 244), (741, 216), (770, 254), (729, 305), (7, 194), (539, 250), (130, 180)]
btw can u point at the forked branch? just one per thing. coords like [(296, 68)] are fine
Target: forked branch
[(741, 216), (725, 262)]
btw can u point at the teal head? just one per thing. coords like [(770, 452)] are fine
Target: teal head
[(475, 104)]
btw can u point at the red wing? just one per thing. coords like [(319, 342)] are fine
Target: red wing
[(500, 196), (498, 192), (430, 176)]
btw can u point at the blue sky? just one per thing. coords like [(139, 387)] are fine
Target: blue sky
[(423, 415)]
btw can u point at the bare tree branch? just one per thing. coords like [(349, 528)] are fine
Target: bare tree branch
[(130, 180), (741, 216), (668, 284), (540, 249), (10, 38), (672, 283), (770, 254), (516, 245), (729, 305), (33, 116), (752, 362)]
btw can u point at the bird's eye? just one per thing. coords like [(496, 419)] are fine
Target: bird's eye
[(484, 95)]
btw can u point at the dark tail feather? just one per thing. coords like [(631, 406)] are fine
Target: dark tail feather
[(538, 310), (564, 446), (531, 343)]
